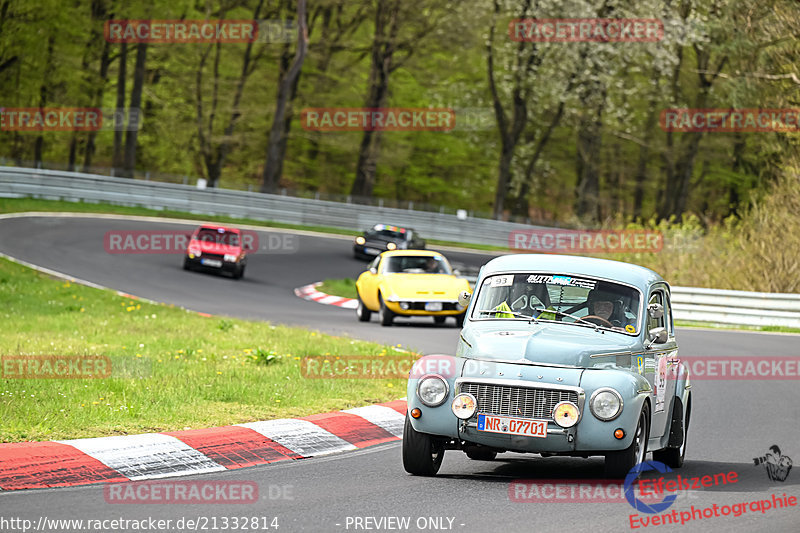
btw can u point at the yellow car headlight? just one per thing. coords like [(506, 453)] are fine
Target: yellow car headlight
[(464, 406)]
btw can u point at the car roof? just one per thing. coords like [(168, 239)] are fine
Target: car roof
[(415, 253), (389, 227), (216, 227), (568, 264)]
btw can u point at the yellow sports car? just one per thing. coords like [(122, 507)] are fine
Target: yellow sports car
[(410, 283)]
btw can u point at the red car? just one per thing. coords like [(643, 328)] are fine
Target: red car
[(216, 248)]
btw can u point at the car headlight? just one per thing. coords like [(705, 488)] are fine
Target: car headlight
[(360, 240), (605, 404), (194, 252), (405, 306), (432, 390), (566, 414), (390, 246), (464, 405), (231, 258)]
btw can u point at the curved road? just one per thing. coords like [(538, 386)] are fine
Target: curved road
[(732, 421)]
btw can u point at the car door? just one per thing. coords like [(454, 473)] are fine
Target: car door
[(657, 361), (368, 285)]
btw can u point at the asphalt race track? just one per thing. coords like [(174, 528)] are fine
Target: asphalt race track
[(732, 421)]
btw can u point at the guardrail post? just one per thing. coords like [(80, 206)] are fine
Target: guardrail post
[(185, 180)]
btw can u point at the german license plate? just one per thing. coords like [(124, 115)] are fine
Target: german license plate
[(372, 251), (512, 426), (211, 262), (433, 306)]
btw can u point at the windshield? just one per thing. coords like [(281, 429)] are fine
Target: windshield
[(553, 297), (416, 264), (218, 236), (387, 234)]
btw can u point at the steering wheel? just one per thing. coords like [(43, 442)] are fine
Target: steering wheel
[(601, 321)]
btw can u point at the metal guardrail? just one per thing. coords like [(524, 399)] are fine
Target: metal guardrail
[(689, 303), (38, 183), (736, 307)]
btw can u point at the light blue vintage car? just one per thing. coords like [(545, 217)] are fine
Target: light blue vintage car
[(559, 355)]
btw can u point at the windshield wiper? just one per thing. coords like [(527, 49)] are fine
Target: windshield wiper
[(516, 315), (562, 313)]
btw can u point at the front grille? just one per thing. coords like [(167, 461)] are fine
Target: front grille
[(522, 402), (420, 306), (207, 255)]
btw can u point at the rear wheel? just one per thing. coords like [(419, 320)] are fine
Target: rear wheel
[(619, 463), (674, 457), (385, 313), (422, 453), (362, 312)]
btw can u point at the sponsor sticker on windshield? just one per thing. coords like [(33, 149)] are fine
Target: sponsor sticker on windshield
[(567, 281)]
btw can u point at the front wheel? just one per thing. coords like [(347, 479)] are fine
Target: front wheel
[(422, 454), (460, 320), (362, 312), (619, 463), (439, 319), (385, 313), (478, 453)]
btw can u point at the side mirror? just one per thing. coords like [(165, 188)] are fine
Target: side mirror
[(655, 310), (463, 298), (658, 335), (373, 270)]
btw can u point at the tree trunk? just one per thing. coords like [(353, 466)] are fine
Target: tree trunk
[(119, 125), (99, 14), (383, 48), (587, 205), (273, 166), (135, 106)]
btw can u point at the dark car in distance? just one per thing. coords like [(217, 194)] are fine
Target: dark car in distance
[(383, 237)]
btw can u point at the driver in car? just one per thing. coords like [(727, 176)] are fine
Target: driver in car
[(607, 307)]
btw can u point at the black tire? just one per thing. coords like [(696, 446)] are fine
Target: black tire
[(477, 453), (362, 312), (238, 272), (422, 454), (460, 320), (385, 313), (674, 457), (439, 319), (619, 463), (186, 265)]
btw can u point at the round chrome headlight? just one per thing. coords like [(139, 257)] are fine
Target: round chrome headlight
[(464, 405), (566, 414), (391, 246), (605, 404), (360, 240), (432, 390)]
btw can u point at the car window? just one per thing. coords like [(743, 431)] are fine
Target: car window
[(552, 296), (416, 264), (229, 238), (656, 298)]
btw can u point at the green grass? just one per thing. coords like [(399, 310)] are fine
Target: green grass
[(346, 287), (198, 371)]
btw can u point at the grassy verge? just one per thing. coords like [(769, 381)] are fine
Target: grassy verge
[(199, 372), (346, 287)]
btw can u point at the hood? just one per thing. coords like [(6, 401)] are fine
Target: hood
[(558, 344), (210, 247), (424, 286)]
